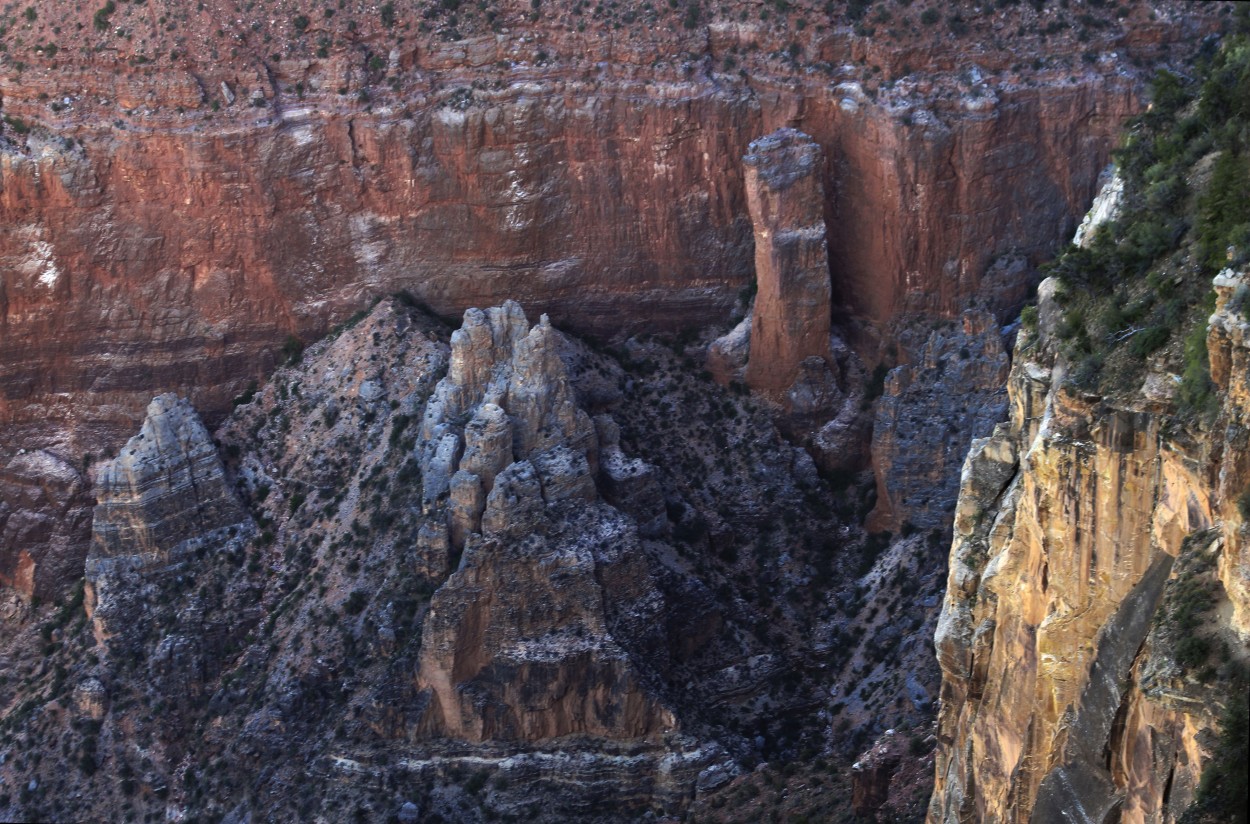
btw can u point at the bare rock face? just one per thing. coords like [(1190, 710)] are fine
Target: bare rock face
[(519, 643), (518, 646), (727, 356), (166, 485), (1228, 348), (790, 320), (164, 493), (45, 509), (930, 411), (1080, 532)]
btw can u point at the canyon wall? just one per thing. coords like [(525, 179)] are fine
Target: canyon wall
[(173, 218), (181, 259), (1093, 538)]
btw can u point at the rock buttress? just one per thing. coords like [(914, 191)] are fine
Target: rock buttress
[(1081, 529)]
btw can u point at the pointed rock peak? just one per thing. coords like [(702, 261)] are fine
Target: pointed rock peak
[(166, 486)]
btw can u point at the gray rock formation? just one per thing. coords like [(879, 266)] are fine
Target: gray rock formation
[(930, 412), (45, 505), (165, 487), (164, 493)]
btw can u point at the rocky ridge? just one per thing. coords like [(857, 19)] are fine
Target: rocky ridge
[(487, 573), (1082, 527)]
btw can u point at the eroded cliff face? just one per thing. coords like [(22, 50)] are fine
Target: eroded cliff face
[(530, 639), (485, 573), (1082, 527), (173, 216)]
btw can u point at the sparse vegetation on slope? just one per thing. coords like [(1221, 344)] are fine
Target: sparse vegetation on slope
[(1140, 293)]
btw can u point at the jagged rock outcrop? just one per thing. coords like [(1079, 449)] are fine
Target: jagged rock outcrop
[(163, 495), (1106, 207), (790, 318), (1082, 526), (871, 774), (519, 642), (928, 414), (164, 487), (518, 646)]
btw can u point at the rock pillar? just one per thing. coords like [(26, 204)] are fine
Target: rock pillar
[(790, 321)]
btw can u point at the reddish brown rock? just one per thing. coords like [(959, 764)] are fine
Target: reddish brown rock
[(790, 321), (184, 199)]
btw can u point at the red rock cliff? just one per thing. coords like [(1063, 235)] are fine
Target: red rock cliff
[(181, 189)]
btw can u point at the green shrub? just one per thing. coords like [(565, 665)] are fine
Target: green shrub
[(1192, 651), (292, 350), (1148, 340), (1222, 792), (355, 602), (1197, 392), (101, 18), (930, 16), (1223, 211)]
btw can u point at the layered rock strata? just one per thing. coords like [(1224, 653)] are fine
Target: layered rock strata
[(166, 485), (790, 318), (164, 494), (1081, 528), (176, 216)]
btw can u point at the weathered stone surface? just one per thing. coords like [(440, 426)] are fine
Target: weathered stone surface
[(488, 443), (790, 319), (727, 356), (1106, 207), (91, 699), (466, 502), (1061, 689), (165, 493), (433, 551), (45, 509), (929, 413), (518, 645), (164, 487), (871, 774), (514, 507), (1228, 347)]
